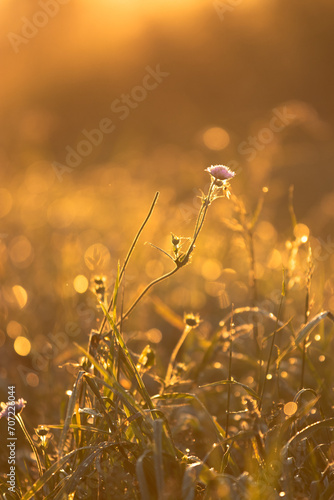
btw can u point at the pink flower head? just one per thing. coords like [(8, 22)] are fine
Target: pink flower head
[(19, 405), (220, 172)]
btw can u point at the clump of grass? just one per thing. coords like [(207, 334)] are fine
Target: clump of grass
[(212, 431)]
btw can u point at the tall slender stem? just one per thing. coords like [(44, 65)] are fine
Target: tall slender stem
[(229, 378), (131, 249), (307, 314), (185, 258), (273, 341), (175, 353), (146, 289), (201, 218)]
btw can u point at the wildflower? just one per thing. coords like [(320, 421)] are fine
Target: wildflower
[(19, 405), (220, 172)]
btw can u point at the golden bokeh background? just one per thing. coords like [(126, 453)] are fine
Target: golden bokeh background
[(101, 104)]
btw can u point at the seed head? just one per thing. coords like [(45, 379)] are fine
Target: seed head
[(192, 320)]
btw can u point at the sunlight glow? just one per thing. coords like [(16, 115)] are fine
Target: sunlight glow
[(154, 335), (6, 202), (14, 329), (211, 269), (32, 379), (290, 408), (21, 252), (20, 295), (216, 138), (301, 232), (97, 257), (80, 283), (61, 213), (22, 346), (275, 259)]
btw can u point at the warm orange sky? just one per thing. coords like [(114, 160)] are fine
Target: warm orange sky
[(230, 63)]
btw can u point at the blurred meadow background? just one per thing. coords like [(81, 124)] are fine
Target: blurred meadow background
[(102, 104)]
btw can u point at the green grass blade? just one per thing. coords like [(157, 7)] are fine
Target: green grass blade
[(141, 386), (70, 411), (142, 481), (82, 469), (190, 479), (175, 396), (307, 431), (49, 474), (304, 332), (232, 382), (157, 455)]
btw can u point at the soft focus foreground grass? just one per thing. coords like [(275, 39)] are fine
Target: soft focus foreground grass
[(246, 407)]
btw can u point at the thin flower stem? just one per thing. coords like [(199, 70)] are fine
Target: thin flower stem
[(307, 314), (272, 342), (131, 249), (198, 226), (175, 353), (253, 284), (252, 267), (127, 258), (141, 295), (161, 250), (229, 376), (201, 218), (291, 209), (304, 343)]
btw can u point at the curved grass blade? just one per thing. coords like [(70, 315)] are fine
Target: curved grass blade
[(232, 382), (303, 391), (110, 382), (190, 478), (130, 406), (307, 431), (304, 332), (216, 338), (80, 471), (142, 389), (158, 459), (192, 397), (50, 474), (70, 411), (142, 481), (241, 310), (31, 443), (86, 428)]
